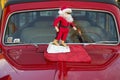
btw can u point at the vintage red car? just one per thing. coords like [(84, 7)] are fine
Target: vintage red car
[(27, 29)]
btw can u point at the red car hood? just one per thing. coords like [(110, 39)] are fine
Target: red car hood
[(32, 58)]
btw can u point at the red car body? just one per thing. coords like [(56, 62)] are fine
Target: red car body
[(29, 63)]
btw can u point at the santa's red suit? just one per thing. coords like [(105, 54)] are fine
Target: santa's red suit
[(63, 26)]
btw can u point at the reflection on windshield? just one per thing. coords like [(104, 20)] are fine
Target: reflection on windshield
[(37, 27)]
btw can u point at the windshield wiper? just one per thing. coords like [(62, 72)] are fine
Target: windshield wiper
[(35, 44)]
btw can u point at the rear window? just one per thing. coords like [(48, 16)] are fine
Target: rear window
[(37, 27)]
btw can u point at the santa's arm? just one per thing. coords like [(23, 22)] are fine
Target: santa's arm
[(56, 24), (78, 30)]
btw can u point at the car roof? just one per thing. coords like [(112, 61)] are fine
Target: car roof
[(10, 2)]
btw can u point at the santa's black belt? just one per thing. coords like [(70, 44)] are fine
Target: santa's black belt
[(64, 26)]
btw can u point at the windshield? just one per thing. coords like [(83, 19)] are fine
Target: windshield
[(37, 27)]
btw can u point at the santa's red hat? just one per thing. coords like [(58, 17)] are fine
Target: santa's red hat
[(64, 9)]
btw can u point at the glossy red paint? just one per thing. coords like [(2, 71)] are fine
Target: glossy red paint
[(30, 64), (6, 78)]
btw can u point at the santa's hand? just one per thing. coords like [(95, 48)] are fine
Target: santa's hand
[(79, 31), (74, 28), (56, 28)]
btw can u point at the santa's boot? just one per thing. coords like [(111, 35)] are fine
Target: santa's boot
[(55, 42), (63, 43)]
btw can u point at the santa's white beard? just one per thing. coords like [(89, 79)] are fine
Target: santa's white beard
[(68, 17)]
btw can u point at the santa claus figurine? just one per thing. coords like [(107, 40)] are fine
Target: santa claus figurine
[(62, 24)]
